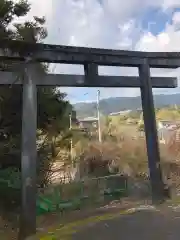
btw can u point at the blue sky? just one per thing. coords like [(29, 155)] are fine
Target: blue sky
[(132, 24), (158, 18)]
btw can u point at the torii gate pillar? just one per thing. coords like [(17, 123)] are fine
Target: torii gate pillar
[(28, 154), (151, 133)]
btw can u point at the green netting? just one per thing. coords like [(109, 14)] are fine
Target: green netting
[(79, 194), (69, 196)]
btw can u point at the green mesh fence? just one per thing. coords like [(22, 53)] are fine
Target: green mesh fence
[(76, 195), (70, 196)]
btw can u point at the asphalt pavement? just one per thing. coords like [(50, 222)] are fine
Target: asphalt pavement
[(141, 225)]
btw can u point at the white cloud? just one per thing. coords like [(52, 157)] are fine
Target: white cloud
[(167, 4), (93, 25), (38, 8), (107, 24), (176, 18), (167, 41)]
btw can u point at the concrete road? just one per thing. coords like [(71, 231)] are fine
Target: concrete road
[(142, 225)]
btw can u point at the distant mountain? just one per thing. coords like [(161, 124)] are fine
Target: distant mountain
[(117, 104)]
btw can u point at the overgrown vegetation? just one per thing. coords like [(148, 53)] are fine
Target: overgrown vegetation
[(124, 147), (53, 109)]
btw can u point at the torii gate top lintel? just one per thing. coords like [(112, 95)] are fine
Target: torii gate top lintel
[(81, 55)]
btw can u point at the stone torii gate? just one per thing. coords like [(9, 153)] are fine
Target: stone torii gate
[(30, 54)]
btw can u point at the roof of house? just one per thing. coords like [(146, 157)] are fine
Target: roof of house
[(88, 119), (120, 112), (170, 123), (168, 133)]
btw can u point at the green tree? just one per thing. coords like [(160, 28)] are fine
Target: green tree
[(53, 110)]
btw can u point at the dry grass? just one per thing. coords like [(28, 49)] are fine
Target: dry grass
[(129, 156)]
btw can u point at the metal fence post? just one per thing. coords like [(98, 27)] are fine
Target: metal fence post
[(151, 133), (28, 155)]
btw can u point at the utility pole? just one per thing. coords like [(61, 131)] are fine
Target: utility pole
[(98, 116), (70, 128)]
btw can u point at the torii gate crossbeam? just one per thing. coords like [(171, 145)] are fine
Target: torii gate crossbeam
[(91, 59)]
